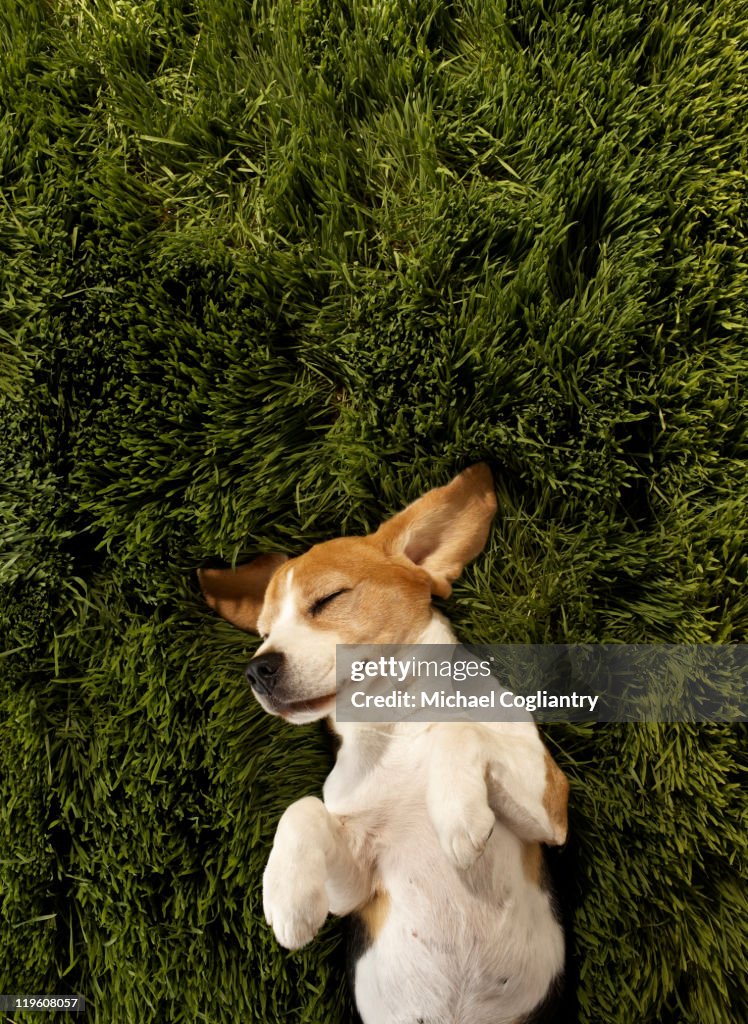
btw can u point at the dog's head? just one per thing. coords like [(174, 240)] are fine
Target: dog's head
[(351, 590)]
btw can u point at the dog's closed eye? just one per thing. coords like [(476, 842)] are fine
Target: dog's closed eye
[(323, 602)]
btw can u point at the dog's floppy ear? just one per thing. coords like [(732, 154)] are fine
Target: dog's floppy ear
[(237, 594), (446, 528), (529, 792)]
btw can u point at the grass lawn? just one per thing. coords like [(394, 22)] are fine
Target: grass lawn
[(269, 270)]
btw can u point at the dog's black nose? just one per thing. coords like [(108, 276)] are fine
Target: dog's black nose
[(262, 672)]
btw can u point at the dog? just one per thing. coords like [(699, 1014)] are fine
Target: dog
[(428, 834)]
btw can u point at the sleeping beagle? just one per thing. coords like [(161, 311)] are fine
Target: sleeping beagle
[(428, 834)]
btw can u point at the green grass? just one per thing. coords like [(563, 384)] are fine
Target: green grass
[(268, 271)]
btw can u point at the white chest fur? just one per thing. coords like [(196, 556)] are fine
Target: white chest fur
[(452, 946)]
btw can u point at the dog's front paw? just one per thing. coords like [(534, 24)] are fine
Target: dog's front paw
[(463, 832), (295, 903)]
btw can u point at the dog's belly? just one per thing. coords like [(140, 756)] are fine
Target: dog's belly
[(453, 947), (440, 945)]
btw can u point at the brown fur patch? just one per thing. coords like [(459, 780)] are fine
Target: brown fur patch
[(374, 914), (446, 528), (387, 599), (556, 798), (532, 862), (237, 594)]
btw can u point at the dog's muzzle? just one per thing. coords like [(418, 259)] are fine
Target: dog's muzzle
[(264, 671)]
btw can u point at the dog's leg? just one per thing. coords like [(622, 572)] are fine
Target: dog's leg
[(479, 772), (311, 872), (457, 796)]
